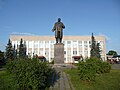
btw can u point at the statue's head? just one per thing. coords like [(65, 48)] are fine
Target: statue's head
[(59, 19)]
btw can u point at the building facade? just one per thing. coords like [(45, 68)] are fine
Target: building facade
[(73, 46)]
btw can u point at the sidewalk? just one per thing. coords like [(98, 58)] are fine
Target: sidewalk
[(116, 66), (62, 81)]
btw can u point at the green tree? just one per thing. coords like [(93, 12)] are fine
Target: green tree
[(95, 48), (112, 52), (22, 49), (9, 51), (2, 59), (98, 50), (14, 52), (91, 68), (30, 74)]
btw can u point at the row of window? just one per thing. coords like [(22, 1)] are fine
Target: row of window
[(42, 44), (65, 42), (52, 53)]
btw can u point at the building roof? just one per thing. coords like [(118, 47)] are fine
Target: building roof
[(47, 38)]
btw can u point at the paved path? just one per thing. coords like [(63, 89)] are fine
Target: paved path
[(62, 81), (116, 66)]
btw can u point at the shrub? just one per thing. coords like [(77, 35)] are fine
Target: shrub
[(106, 67), (88, 70), (101, 67), (97, 63), (30, 74)]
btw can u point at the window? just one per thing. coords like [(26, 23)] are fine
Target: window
[(52, 42), (80, 52), (80, 46), (89, 42), (46, 52), (79, 42), (35, 52), (41, 44), (69, 58), (69, 52), (52, 46), (64, 59), (41, 52), (64, 52), (74, 52), (68, 42), (86, 52), (47, 44), (85, 42), (30, 44), (35, 44), (85, 46), (74, 44)]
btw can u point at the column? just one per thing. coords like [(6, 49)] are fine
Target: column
[(27, 45), (88, 49), (38, 48), (83, 49), (49, 52), (77, 49), (32, 48), (43, 48)]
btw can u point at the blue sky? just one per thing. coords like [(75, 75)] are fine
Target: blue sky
[(81, 17)]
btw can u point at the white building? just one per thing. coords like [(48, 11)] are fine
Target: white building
[(73, 46)]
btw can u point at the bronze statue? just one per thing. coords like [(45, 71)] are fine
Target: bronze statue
[(58, 28)]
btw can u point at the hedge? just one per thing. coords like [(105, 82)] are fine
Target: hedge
[(30, 74), (93, 66)]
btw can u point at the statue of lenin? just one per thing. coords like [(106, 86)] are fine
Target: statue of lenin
[(58, 28)]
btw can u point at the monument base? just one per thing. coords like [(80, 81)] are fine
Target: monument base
[(59, 53), (64, 66)]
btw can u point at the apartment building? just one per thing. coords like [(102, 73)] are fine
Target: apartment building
[(73, 46)]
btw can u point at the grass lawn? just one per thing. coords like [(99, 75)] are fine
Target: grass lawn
[(6, 81), (108, 81)]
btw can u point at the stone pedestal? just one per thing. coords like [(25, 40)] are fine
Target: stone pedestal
[(58, 53)]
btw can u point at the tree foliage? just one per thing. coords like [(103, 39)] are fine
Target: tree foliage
[(112, 52), (14, 52), (2, 59), (22, 49), (95, 48), (93, 66), (9, 51), (98, 51), (30, 74)]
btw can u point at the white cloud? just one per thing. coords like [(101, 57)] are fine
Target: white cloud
[(19, 33), (107, 37)]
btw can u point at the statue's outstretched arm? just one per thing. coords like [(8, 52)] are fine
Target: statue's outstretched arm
[(63, 26), (53, 29)]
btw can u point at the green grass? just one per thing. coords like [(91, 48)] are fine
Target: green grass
[(6, 81), (108, 81)]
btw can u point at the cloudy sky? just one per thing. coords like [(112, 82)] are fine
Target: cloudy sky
[(81, 17)]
